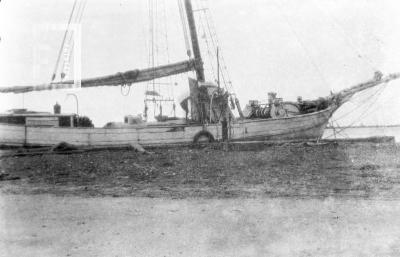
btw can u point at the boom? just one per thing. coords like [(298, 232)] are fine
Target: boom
[(120, 78)]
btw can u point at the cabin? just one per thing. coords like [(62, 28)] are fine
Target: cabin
[(25, 117)]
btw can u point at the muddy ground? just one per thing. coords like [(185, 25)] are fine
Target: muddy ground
[(362, 170)]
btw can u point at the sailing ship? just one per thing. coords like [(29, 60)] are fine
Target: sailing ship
[(208, 108)]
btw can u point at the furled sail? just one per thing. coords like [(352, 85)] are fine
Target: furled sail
[(121, 78)]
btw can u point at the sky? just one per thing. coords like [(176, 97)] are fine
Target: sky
[(303, 48)]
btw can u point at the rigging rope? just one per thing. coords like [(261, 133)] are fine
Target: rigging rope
[(372, 103), (71, 43), (364, 102), (158, 53), (170, 88), (214, 40), (127, 92), (151, 59), (301, 43), (362, 115), (216, 44), (210, 51), (165, 29), (224, 70), (63, 42), (340, 131), (348, 40), (182, 14)]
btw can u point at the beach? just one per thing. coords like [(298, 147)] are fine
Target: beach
[(328, 199)]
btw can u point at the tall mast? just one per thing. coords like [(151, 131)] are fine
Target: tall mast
[(195, 42)]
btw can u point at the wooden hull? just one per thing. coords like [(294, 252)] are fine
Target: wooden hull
[(302, 127)]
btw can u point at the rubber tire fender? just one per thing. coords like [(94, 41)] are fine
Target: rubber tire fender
[(203, 133)]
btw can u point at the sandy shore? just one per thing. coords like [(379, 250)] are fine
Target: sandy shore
[(45, 225), (281, 200)]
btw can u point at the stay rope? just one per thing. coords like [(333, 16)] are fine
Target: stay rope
[(348, 39), (206, 22), (210, 50), (159, 53), (182, 15), (301, 43), (365, 101), (63, 41), (377, 94), (71, 42)]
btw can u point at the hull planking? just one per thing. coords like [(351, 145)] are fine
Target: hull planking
[(302, 127)]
